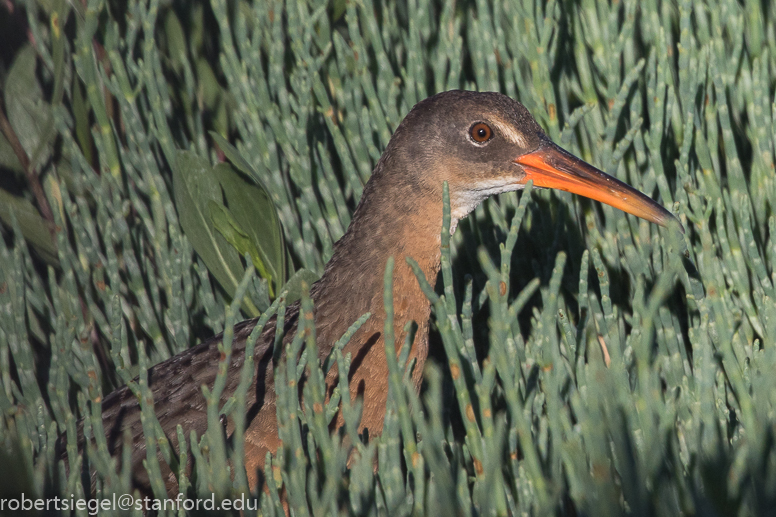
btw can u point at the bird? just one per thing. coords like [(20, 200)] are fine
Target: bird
[(481, 144)]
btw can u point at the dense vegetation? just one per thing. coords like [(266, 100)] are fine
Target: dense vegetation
[(166, 167)]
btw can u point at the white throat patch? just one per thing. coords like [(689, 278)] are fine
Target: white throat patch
[(462, 203)]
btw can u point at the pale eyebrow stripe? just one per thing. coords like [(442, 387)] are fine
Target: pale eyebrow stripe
[(509, 133)]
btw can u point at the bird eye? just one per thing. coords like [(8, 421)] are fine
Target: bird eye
[(481, 132)]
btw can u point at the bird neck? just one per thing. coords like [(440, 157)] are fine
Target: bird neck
[(397, 218)]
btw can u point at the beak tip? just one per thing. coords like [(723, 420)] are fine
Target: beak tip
[(673, 222)]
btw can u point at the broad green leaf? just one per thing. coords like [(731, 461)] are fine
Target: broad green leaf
[(226, 224), (81, 120), (32, 225), (28, 114), (252, 207), (221, 115), (8, 159), (176, 41), (209, 88), (237, 159), (194, 186)]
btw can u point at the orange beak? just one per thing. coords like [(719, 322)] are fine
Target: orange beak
[(552, 167)]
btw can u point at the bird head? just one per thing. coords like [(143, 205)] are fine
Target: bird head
[(485, 143)]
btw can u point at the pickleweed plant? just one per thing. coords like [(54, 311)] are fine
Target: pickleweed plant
[(168, 169)]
